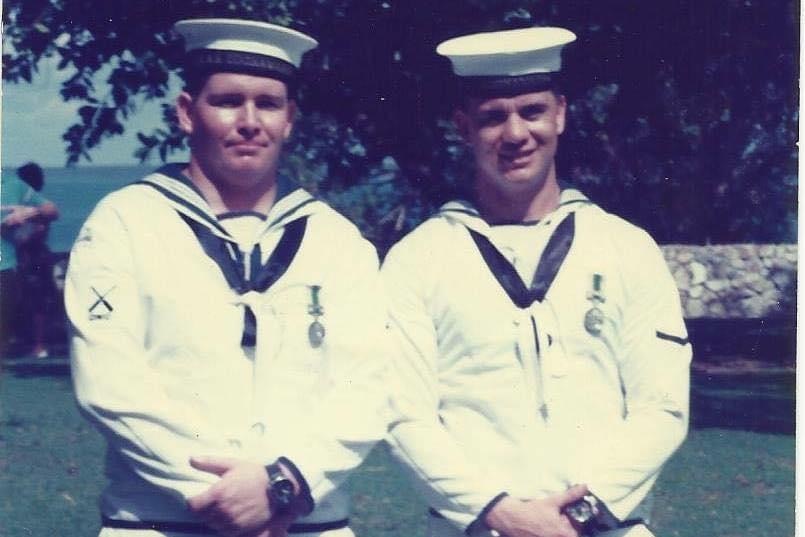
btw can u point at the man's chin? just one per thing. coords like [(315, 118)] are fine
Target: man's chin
[(520, 179), (246, 173), (250, 165)]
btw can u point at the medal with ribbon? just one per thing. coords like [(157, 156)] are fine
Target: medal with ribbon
[(594, 318), (315, 332)]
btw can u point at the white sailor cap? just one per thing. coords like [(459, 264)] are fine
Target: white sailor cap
[(237, 45), (509, 61)]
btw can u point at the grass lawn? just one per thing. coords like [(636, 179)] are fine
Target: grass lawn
[(733, 477)]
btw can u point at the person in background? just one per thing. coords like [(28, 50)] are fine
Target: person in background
[(543, 361), (25, 259), (228, 328)]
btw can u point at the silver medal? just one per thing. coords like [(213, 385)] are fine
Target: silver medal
[(315, 334), (593, 320)]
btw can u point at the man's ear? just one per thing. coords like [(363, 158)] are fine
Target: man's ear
[(462, 122), (184, 112), (561, 113), (291, 119)]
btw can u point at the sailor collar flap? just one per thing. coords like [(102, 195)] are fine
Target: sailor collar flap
[(551, 260), (291, 204), (245, 273), (466, 214)]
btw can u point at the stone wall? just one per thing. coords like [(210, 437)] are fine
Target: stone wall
[(735, 281)]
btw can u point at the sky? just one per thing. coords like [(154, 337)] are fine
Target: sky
[(34, 117)]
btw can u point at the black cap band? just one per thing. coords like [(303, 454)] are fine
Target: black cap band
[(499, 86), (233, 61)]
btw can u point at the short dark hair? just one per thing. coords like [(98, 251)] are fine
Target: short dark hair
[(32, 174)]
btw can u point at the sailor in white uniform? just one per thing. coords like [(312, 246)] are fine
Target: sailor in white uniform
[(543, 362), (227, 328)]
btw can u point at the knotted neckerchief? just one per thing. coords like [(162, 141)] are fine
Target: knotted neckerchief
[(549, 263), (255, 276), (548, 267)]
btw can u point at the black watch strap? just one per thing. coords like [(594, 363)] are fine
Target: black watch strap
[(480, 520), (281, 491), (303, 502), (275, 473)]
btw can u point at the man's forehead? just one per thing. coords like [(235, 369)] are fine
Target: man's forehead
[(482, 104), (225, 81)]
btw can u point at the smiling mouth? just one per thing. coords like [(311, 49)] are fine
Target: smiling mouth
[(517, 160)]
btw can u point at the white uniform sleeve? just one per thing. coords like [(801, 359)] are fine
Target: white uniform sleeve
[(654, 369), (449, 481), (353, 413), (115, 387)]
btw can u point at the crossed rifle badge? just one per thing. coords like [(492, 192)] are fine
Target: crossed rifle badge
[(101, 309)]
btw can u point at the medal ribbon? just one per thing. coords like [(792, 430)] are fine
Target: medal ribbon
[(260, 277)]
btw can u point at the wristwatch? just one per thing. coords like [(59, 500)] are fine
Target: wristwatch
[(281, 493), (591, 515), (583, 510)]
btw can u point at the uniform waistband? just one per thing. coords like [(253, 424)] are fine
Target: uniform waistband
[(202, 529)]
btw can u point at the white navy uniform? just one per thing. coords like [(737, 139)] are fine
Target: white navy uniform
[(580, 376), (172, 357)]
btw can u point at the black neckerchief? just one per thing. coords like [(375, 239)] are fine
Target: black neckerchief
[(222, 248), (230, 260), (549, 263)]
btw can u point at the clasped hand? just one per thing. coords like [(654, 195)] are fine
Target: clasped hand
[(237, 505), (18, 214), (535, 518)]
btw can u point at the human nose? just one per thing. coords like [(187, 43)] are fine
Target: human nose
[(248, 120), (515, 130)]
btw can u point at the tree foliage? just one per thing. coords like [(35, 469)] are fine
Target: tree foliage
[(683, 114)]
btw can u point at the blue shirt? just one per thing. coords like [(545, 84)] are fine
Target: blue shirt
[(14, 191)]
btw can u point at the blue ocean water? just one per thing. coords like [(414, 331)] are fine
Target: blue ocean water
[(76, 191)]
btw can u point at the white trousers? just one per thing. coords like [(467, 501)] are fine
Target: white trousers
[(117, 532), (440, 527)]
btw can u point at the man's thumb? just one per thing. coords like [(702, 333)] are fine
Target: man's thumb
[(574, 493)]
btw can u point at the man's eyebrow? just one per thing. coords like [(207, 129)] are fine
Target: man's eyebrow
[(487, 108), (275, 96), (225, 93), (492, 115), (228, 94), (533, 106)]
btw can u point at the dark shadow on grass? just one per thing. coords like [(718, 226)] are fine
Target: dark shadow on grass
[(37, 367), (744, 376), (772, 341), (758, 401)]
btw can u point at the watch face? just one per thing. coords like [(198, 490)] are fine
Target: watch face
[(282, 494), (581, 511)]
